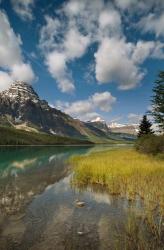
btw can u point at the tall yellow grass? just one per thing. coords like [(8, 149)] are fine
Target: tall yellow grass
[(124, 172)]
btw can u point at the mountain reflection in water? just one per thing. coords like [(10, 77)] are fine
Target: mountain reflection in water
[(25, 172), (38, 204)]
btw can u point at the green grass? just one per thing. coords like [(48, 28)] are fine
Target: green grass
[(11, 136), (124, 172), (132, 175)]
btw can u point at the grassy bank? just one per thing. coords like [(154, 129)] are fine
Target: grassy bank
[(133, 175), (11, 136), (124, 172)]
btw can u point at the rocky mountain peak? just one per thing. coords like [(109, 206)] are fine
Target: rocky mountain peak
[(99, 124), (20, 106), (21, 91)]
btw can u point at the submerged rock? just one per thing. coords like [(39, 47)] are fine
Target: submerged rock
[(80, 233), (80, 203)]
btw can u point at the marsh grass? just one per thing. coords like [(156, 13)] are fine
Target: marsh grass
[(124, 172), (137, 234), (133, 175)]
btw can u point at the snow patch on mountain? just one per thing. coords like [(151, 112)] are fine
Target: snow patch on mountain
[(115, 125), (98, 119), (21, 91)]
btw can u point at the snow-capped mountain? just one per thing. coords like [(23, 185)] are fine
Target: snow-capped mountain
[(21, 107), (124, 128), (21, 92), (115, 125), (99, 124)]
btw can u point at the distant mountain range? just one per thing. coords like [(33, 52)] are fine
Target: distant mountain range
[(131, 129), (21, 108)]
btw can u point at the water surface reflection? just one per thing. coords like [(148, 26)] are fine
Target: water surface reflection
[(25, 172), (38, 205)]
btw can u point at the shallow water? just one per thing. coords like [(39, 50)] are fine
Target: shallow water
[(38, 206)]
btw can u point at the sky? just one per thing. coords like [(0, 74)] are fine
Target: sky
[(87, 58)]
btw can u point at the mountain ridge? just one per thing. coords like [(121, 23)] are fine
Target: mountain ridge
[(21, 108), (131, 129), (21, 104)]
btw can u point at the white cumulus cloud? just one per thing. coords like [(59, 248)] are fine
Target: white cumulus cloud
[(114, 63), (103, 101), (9, 43), (78, 25), (56, 63), (12, 62), (153, 24), (88, 109), (85, 23), (5, 80), (75, 44), (118, 60), (22, 71)]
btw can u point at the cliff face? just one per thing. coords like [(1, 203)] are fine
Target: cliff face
[(101, 125), (20, 104), (21, 108)]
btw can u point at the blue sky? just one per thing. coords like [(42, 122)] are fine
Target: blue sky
[(87, 58)]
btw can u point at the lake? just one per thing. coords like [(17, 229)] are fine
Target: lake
[(38, 204)]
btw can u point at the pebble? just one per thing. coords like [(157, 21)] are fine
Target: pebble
[(80, 233), (80, 203)]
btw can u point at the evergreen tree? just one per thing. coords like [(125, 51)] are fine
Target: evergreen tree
[(158, 101), (145, 127)]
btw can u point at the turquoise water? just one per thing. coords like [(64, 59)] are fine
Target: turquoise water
[(21, 159), (38, 205)]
